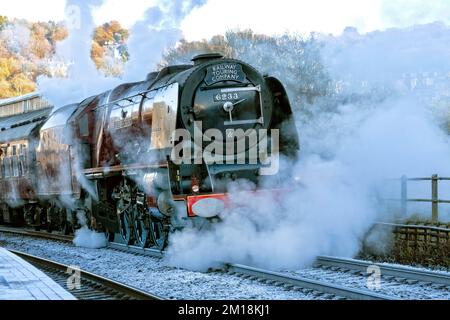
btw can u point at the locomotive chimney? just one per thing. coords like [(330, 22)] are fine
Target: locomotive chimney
[(203, 58)]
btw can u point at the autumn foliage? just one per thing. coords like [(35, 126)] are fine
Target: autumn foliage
[(109, 51), (27, 50), (293, 59)]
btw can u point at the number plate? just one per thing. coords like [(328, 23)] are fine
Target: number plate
[(225, 72), (229, 96)]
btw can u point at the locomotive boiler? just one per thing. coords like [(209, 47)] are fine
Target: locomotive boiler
[(149, 157)]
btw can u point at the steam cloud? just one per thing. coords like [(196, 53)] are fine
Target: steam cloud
[(148, 38), (159, 31), (83, 79), (383, 118), (86, 238), (348, 149)]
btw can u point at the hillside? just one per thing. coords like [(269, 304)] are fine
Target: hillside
[(27, 51)]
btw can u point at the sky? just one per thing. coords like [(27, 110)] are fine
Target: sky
[(262, 16)]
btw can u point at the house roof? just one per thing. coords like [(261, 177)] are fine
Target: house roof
[(8, 101), (20, 126)]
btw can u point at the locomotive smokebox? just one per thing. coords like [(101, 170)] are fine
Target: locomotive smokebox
[(203, 58)]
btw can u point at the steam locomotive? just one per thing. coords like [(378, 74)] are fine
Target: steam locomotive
[(149, 157)]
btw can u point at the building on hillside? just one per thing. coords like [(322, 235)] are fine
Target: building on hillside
[(23, 104), (20, 120)]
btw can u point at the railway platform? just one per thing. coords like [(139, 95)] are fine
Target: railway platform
[(19, 280)]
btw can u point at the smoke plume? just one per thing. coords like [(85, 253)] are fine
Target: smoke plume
[(385, 116), (83, 79)]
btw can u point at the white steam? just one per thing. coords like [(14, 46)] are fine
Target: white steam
[(149, 38), (83, 79), (382, 119), (86, 238), (158, 31), (16, 37)]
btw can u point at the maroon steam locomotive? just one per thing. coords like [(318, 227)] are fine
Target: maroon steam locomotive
[(145, 158)]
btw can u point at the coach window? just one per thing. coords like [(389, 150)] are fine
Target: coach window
[(84, 126), (15, 164), (26, 106), (19, 167), (7, 166), (21, 158), (6, 163), (1, 162)]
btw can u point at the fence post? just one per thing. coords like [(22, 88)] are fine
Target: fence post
[(434, 198), (404, 196)]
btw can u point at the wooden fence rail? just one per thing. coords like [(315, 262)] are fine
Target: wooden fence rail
[(435, 201)]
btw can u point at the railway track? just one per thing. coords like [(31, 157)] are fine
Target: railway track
[(136, 250), (92, 287), (400, 273), (321, 288), (37, 234)]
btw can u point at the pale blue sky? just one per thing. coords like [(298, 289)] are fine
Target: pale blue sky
[(264, 16)]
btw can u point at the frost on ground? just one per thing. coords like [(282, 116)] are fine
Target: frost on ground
[(409, 289), (151, 274)]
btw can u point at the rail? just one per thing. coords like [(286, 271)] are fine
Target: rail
[(396, 271), (102, 288), (401, 272), (320, 286)]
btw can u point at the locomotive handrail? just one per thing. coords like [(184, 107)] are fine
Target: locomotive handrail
[(118, 168), (129, 98)]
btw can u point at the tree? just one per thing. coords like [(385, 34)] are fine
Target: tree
[(25, 49), (296, 61), (109, 50), (12, 80), (21, 84), (5, 89), (97, 54), (57, 32), (185, 51), (111, 32), (39, 44), (3, 22)]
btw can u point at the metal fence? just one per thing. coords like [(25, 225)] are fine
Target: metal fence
[(435, 201)]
